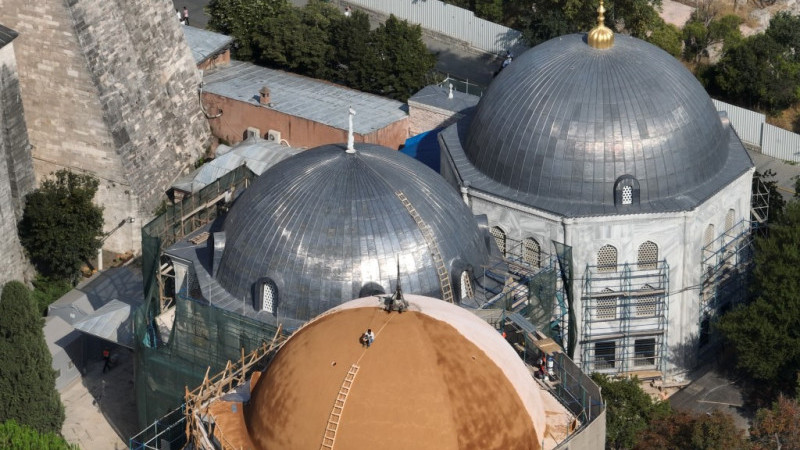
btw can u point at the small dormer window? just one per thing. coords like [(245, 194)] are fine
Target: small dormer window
[(626, 191)]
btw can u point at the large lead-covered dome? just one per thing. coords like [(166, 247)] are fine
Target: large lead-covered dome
[(326, 226), (565, 123)]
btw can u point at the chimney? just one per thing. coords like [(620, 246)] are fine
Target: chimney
[(264, 97)]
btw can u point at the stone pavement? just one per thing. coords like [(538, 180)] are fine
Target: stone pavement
[(100, 408)]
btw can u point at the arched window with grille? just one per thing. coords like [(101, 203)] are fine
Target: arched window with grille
[(607, 259), (626, 191), (648, 255), (532, 252), (466, 285), (267, 296), (730, 219), (708, 237), (500, 238), (606, 305)]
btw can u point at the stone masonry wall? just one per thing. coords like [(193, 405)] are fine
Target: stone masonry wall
[(13, 132), (13, 264), (110, 88), (425, 118)]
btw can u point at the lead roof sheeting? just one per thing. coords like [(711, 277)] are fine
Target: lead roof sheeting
[(204, 43), (438, 97), (737, 163), (256, 153), (324, 223), (565, 120), (6, 35), (304, 97), (110, 322)]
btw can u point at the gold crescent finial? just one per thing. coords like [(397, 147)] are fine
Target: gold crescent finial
[(601, 36)]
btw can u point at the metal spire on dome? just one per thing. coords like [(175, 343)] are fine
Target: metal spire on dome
[(350, 144), (601, 37)]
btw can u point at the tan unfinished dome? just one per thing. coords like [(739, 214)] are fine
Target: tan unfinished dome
[(436, 377)]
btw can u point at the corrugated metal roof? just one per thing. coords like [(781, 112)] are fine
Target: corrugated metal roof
[(204, 43), (6, 35), (300, 96), (256, 153)]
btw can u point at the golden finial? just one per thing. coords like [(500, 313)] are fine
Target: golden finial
[(601, 36)]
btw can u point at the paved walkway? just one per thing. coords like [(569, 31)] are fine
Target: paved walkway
[(100, 408)]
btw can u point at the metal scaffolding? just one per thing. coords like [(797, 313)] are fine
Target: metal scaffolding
[(727, 265), (625, 311), (530, 286)]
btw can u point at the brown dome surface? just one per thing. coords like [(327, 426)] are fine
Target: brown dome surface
[(436, 377)]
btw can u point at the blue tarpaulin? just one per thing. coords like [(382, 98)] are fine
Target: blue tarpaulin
[(424, 147)]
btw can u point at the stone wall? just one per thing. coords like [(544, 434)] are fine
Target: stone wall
[(16, 171), (109, 88), (14, 143)]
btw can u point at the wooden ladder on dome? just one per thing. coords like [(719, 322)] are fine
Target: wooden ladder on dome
[(427, 233), (329, 437)]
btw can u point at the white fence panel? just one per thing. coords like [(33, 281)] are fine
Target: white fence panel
[(746, 123), (449, 20), (780, 143)]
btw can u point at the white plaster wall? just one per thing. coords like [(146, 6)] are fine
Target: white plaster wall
[(679, 237)]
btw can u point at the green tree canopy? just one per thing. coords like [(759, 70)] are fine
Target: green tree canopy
[(27, 379), (61, 228), (318, 40), (239, 19), (629, 410), (765, 334), (14, 435), (702, 32), (762, 71)]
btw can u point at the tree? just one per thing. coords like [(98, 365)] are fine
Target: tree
[(687, 431), (764, 334), (27, 379), (702, 32), (61, 228), (14, 435), (399, 59), (667, 37), (777, 427), (763, 71), (629, 410), (239, 18)]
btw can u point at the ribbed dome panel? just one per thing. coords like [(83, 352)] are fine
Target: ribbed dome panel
[(565, 120), (325, 224)]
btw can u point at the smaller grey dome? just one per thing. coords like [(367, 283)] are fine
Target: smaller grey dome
[(324, 227)]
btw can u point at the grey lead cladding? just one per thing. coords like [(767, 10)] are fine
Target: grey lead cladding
[(326, 227), (565, 120)]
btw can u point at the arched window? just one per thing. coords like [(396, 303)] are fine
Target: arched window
[(729, 219), (500, 238), (607, 259), (708, 237), (626, 190), (648, 255), (607, 305), (646, 305), (532, 252), (268, 296), (466, 285)]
